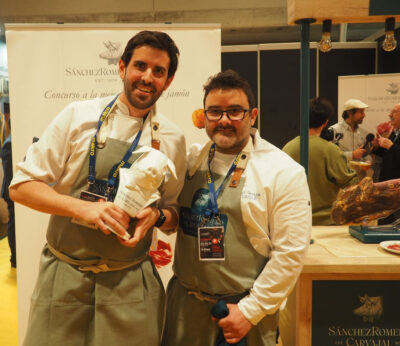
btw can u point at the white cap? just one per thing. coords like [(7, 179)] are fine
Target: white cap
[(354, 104)]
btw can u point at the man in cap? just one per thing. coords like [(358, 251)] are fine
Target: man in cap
[(354, 136)]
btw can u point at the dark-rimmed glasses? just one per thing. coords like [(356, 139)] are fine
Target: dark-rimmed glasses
[(234, 114)]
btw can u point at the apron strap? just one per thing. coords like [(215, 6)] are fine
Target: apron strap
[(95, 266), (241, 166), (228, 298), (155, 135), (200, 159), (237, 173)]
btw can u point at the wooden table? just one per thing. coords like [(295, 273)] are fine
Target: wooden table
[(336, 255)]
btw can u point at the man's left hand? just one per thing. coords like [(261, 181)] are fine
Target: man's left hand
[(235, 326), (385, 143), (147, 218)]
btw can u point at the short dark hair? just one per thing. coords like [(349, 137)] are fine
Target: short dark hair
[(321, 110), (347, 113), (229, 79), (156, 39)]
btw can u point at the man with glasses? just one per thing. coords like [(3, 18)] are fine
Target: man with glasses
[(389, 151), (245, 246)]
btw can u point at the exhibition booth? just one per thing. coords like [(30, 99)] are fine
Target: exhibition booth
[(348, 290), (347, 293)]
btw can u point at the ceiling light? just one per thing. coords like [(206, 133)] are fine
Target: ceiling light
[(389, 43), (325, 45)]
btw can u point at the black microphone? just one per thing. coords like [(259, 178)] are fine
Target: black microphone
[(368, 139), (338, 137)]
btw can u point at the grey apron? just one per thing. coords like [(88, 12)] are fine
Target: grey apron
[(74, 307), (188, 318)]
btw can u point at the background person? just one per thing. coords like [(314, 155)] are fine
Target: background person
[(6, 159), (327, 167), (354, 136), (94, 288), (245, 246), (388, 149)]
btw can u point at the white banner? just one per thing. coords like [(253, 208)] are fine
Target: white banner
[(52, 65), (380, 92)]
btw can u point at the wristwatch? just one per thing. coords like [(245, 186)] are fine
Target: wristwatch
[(161, 219)]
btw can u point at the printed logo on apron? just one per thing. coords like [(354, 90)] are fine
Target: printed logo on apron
[(191, 218)]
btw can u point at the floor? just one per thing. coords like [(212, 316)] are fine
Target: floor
[(8, 301)]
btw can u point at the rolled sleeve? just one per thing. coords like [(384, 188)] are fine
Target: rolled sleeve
[(45, 159), (288, 230)]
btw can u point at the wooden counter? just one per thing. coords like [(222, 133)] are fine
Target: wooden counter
[(335, 251), (334, 255)]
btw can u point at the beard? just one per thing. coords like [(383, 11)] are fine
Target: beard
[(225, 138), (141, 101)]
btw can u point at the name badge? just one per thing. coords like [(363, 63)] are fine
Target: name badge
[(211, 243)]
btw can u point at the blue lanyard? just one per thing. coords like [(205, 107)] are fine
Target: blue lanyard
[(93, 145), (212, 205)]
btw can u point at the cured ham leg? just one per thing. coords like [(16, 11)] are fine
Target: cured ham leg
[(366, 201)]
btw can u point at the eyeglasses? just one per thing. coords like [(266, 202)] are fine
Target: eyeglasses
[(234, 114)]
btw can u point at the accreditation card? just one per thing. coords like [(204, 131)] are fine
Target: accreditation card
[(211, 243)]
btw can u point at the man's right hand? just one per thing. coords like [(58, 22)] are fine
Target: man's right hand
[(102, 213), (40, 196), (358, 153)]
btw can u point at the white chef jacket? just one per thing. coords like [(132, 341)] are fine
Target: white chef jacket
[(276, 211), (58, 156)]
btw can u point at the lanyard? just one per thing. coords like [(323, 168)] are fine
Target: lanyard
[(93, 145), (212, 205)]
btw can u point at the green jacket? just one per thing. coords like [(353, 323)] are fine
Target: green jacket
[(327, 173)]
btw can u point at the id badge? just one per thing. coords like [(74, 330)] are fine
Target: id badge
[(211, 243), (91, 197)]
